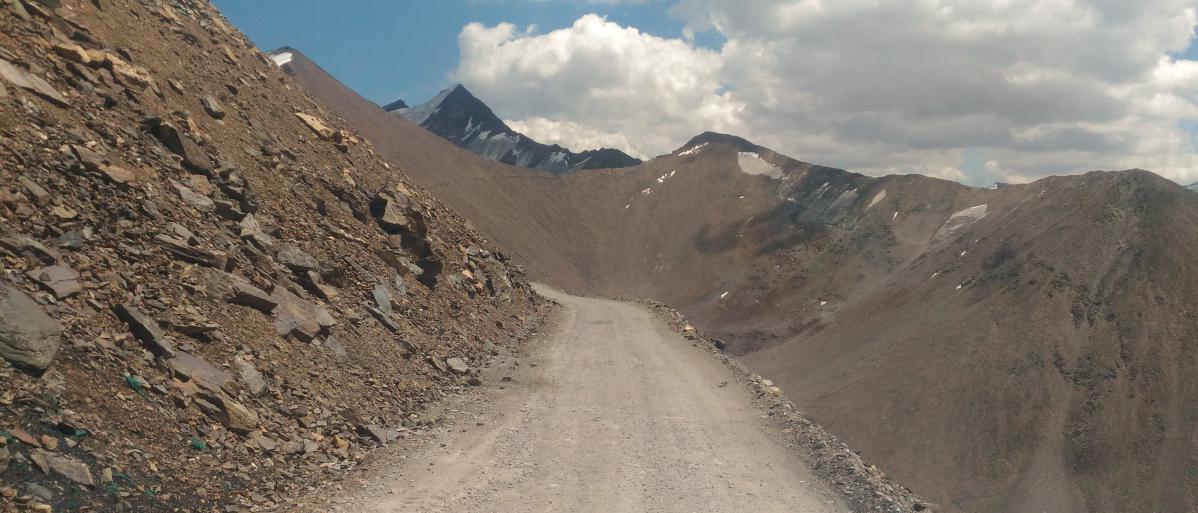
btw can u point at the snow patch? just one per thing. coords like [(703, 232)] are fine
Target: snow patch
[(878, 197), (960, 220), (751, 163), (692, 150), (647, 190), (725, 294), (895, 216), (282, 58)]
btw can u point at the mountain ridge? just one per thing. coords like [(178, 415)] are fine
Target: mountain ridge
[(460, 117)]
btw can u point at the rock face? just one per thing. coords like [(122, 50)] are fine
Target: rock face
[(464, 120), (28, 337)]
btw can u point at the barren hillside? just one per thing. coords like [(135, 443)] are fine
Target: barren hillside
[(215, 295), (1022, 348)]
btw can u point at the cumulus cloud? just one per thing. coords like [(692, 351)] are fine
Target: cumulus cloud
[(1023, 87), (622, 85)]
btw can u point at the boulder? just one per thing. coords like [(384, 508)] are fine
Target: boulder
[(28, 337)]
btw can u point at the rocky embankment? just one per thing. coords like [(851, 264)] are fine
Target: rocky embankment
[(212, 294), (865, 488)]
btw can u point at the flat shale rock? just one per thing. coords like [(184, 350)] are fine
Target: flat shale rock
[(28, 337)]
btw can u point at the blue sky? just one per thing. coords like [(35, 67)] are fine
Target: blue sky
[(980, 91), (387, 49)]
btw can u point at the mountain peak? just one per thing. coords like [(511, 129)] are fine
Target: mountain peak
[(461, 118), (740, 143), (395, 105)]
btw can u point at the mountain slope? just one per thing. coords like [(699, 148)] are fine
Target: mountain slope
[(466, 121), (1013, 349), (214, 295)]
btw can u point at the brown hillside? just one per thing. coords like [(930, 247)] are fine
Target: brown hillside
[(1028, 355), (214, 294)]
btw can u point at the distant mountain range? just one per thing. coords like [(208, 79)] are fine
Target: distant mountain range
[(458, 116)]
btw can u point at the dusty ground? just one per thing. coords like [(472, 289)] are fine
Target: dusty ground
[(612, 411)]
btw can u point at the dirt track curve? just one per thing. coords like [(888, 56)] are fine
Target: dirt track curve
[(615, 413)]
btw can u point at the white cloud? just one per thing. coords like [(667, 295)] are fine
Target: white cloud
[(1035, 86), (651, 91)]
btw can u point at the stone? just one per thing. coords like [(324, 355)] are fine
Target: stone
[(59, 279), (252, 231), (70, 239), (457, 365), (384, 318), (296, 259), (382, 298), (373, 431), (40, 195), (20, 244), (5, 457), (63, 212), (264, 442), (93, 161), (316, 125), (251, 378), (70, 468), (28, 337), (297, 317), (196, 200), (146, 330), (127, 73), (185, 251), (332, 344), (246, 294), (24, 437), (72, 52), (32, 83), (396, 213), (232, 414), (189, 367), (213, 107), (229, 210), (169, 135)]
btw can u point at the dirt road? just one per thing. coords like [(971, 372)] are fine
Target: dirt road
[(618, 415)]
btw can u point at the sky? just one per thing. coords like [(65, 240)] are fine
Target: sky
[(977, 91)]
